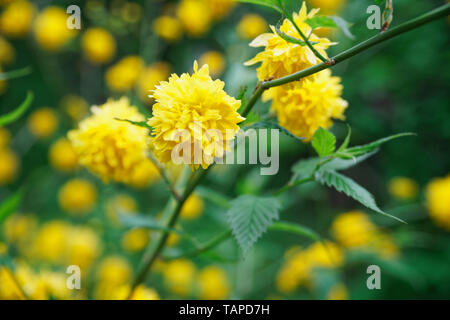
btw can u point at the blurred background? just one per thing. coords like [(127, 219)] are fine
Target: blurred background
[(124, 48)]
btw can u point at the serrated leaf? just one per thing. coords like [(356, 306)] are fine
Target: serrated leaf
[(343, 25), (324, 142), (18, 112), (344, 164), (305, 168), (346, 185), (360, 150), (321, 22), (249, 217), (297, 229), (272, 125), (10, 205)]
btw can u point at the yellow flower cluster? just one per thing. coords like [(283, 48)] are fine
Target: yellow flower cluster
[(303, 106), (207, 106), (438, 195), (111, 148), (299, 264), (354, 230), (9, 162)]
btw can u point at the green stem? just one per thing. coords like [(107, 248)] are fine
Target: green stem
[(310, 46)]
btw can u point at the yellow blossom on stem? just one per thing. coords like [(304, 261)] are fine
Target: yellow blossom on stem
[(191, 116)]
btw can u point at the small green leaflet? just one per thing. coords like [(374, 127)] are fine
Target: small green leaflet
[(346, 185), (305, 168), (324, 142), (321, 22), (142, 124), (249, 217), (359, 150), (344, 26), (10, 205), (18, 112), (295, 228), (344, 164), (274, 4)]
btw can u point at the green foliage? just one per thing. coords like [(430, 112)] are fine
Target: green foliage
[(18, 112), (346, 185), (305, 168), (324, 142), (359, 150), (343, 25), (15, 73), (321, 22), (249, 217), (10, 205), (296, 229), (142, 124)]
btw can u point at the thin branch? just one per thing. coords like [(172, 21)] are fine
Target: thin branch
[(166, 179)]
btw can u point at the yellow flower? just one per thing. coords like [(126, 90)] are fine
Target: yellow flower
[(82, 246), (305, 106), (75, 106), (438, 195), (62, 156), (15, 21), (179, 276), (213, 284), (195, 16), (151, 77), (403, 188), (328, 7), (280, 57), (50, 242), (168, 28), (111, 148), (192, 208), (191, 116), (294, 272), (122, 76), (9, 165), (18, 228), (99, 45), (114, 271), (251, 25), (51, 30), (338, 292), (144, 293), (216, 62), (7, 52), (5, 137), (173, 239), (77, 196), (43, 122), (121, 203), (325, 255), (353, 229), (144, 175), (135, 240), (220, 8)]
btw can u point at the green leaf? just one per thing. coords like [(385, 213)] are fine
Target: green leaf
[(18, 112), (249, 217), (274, 4), (360, 150), (213, 196), (344, 164), (142, 124), (343, 25), (272, 125), (10, 205), (297, 229), (15, 73), (379, 2), (321, 22), (305, 168), (344, 144), (324, 142), (346, 185)]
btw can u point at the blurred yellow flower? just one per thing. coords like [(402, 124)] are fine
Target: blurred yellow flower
[(338, 292), (213, 284), (75, 106), (206, 107), (403, 188), (99, 45), (50, 242), (9, 289), (43, 123), (143, 293), (192, 208), (179, 276), (328, 7), (195, 16), (114, 271), (173, 239), (353, 229), (280, 57), (325, 255), (50, 29), (18, 228), (82, 246), (62, 156), (144, 175), (122, 76), (216, 62), (305, 106), (120, 204), (5, 137), (438, 195), (220, 8), (9, 165), (77, 196), (16, 19), (167, 27), (151, 77), (251, 25), (135, 240), (7, 52)]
